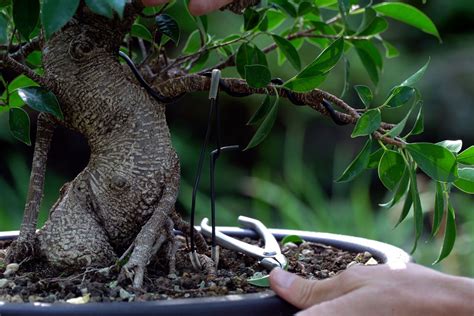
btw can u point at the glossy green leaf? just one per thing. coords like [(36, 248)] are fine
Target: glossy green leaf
[(417, 210), (288, 50), (263, 25), (56, 13), (200, 62), (402, 188), (467, 156), (365, 94), (275, 19), (391, 168), (101, 7), (390, 50), (287, 6), (3, 29), (25, 16), (439, 208), (418, 127), (378, 25), (368, 123), (257, 76), (261, 112), (367, 19), (465, 182), (449, 234), (315, 73), (251, 19), (407, 204), (375, 158), (167, 25), (20, 125), (435, 160), (292, 238), (243, 57), (140, 31), (41, 100), (399, 96), (193, 44), (304, 8), (407, 14), (453, 146), (416, 76), (370, 58), (260, 281), (358, 164), (266, 126)]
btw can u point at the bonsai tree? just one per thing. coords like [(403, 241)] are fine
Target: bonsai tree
[(61, 58)]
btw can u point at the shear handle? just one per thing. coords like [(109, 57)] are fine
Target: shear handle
[(271, 246)]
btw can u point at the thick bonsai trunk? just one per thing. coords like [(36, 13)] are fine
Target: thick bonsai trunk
[(126, 194)]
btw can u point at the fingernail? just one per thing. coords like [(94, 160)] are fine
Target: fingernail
[(281, 278)]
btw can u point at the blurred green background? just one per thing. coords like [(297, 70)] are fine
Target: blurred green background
[(288, 181)]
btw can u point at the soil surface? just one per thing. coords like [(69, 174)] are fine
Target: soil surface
[(35, 282)]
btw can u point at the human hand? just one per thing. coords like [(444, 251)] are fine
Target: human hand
[(378, 290), (196, 7)]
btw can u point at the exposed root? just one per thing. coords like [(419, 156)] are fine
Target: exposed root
[(208, 266), (21, 251), (184, 227)]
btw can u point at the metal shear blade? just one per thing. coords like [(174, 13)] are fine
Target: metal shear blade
[(269, 256)]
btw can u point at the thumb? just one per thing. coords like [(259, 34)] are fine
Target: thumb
[(300, 292)]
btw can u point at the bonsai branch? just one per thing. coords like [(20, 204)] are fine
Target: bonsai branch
[(195, 83)]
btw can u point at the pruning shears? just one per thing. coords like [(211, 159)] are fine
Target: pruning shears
[(269, 256)]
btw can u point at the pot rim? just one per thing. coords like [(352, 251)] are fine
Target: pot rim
[(235, 304)]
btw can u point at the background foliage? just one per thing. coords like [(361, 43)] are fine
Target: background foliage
[(288, 180)]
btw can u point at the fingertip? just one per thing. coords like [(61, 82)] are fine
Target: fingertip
[(201, 7)]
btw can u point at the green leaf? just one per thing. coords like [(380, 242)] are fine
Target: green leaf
[(200, 63), (416, 76), (167, 25), (378, 25), (407, 14), (358, 164), (251, 19), (365, 94), (405, 209), (41, 100), (453, 146), (435, 160), (288, 50), (368, 123), (275, 19), (292, 238), (261, 112), (467, 156), (257, 76), (417, 211), (370, 58), (367, 19), (391, 169), (418, 127), (101, 7), (315, 73), (266, 126), (375, 158), (260, 281), (3, 29), (140, 31), (56, 13), (449, 235), (304, 8), (263, 25), (288, 7), (193, 44), (248, 55), (401, 190), (20, 125), (347, 74), (25, 16), (390, 50), (465, 182), (439, 208), (399, 96)]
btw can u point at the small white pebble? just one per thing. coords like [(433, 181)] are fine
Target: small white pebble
[(367, 254), (371, 262), (11, 269), (4, 283)]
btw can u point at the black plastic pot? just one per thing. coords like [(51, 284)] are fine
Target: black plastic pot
[(264, 303)]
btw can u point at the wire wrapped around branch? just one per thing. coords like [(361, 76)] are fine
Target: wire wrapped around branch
[(238, 87)]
